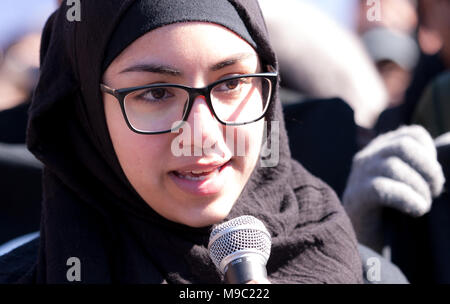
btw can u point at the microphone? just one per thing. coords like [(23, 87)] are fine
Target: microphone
[(240, 249)]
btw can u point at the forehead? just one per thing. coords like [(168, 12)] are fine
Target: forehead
[(184, 43)]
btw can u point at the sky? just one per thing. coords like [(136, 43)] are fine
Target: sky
[(20, 16)]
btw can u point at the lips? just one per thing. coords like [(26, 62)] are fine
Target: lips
[(200, 173), (201, 179)]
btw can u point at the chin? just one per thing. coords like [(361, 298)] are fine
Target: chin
[(210, 215)]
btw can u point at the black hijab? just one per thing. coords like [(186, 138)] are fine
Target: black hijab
[(90, 210)]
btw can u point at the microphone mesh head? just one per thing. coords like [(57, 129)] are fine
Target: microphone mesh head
[(245, 233)]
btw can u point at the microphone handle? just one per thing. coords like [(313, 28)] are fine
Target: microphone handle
[(244, 269)]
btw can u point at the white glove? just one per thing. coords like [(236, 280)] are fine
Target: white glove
[(442, 140), (398, 169)]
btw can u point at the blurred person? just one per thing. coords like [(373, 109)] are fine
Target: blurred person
[(413, 230), (433, 109), (398, 170), (395, 55), (390, 42), (18, 18), (19, 71), (397, 15), (20, 171), (320, 59), (398, 197), (434, 40), (435, 22), (21, 23), (421, 246), (397, 193)]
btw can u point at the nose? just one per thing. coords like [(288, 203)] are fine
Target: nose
[(206, 130), (202, 121)]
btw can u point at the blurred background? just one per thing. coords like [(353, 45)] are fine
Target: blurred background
[(21, 23), (370, 65)]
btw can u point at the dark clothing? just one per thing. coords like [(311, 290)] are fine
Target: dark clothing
[(20, 177), (421, 246), (433, 110), (91, 211), (427, 69), (20, 192), (322, 137), (144, 16), (13, 124), (19, 265)]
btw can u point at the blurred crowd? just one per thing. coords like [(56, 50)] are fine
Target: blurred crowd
[(386, 60)]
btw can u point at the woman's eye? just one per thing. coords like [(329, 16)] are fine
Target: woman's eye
[(156, 94), (232, 84)]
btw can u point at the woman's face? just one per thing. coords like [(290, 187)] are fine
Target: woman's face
[(193, 54)]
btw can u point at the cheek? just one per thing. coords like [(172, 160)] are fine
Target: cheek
[(135, 152), (247, 145)]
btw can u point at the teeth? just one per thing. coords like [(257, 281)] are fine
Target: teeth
[(197, 175), (200, 172), (201, 177)]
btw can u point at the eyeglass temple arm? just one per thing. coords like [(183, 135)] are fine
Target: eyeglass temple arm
[(107, 89), (270, 68)]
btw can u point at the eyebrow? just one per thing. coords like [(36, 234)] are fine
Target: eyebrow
[(168, 70), (230, 61), (153, 68)]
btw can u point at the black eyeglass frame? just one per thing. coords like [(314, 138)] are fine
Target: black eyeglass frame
[(120, 95)]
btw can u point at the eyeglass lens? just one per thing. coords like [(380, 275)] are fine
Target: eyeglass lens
[(238, 100)]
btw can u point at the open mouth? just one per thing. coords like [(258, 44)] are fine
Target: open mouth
[(202, 180), (201, 174)]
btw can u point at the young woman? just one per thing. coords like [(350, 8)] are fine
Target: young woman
[(121, 198)]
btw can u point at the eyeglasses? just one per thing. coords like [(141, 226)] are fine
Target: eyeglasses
[(162, 108)]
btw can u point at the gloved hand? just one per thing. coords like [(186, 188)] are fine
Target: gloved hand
[(442, 140), (398, 169)]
